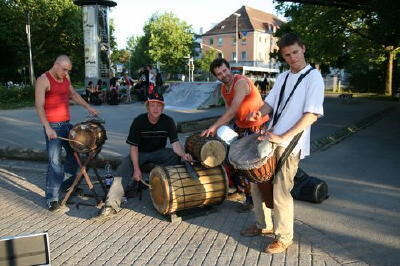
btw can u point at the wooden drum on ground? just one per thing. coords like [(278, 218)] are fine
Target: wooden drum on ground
[(244, 156), (173, 190), (209, 151)]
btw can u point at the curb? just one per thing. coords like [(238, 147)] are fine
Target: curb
[(325, 142), (318, 145)]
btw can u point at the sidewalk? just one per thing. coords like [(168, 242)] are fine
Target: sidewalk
[(139, 235), (358, 225)]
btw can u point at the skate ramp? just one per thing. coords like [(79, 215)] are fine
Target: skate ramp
[(192, 95)]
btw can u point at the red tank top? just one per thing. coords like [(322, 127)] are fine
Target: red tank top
[(56, 104), (251, 103)]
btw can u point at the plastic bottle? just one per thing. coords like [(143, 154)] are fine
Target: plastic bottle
[(108, 178)]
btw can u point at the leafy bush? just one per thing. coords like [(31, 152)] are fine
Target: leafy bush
[(15, 97)]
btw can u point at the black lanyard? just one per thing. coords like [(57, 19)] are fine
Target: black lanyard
[(277, 114)]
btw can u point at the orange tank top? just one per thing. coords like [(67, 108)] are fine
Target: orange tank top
[(56, 104), (251, 103)]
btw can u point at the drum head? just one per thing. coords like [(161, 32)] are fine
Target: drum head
[(212, 153), (86, 137), (243, 154), (160, 191)]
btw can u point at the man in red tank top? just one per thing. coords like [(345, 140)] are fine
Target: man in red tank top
[(241, 98), (53, 90)]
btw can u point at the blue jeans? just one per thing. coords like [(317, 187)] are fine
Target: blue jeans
[(55, 171)]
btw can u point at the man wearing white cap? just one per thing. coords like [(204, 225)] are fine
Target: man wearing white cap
[(148, 139)]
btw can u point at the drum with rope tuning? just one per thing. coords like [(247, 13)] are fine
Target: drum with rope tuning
[(244, 155), (172, 189)]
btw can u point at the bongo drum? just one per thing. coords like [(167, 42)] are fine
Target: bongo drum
[(173, 190), (209, 151), (244, 156), (87, 136)]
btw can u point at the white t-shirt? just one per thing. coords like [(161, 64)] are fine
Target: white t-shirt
[(308, 98)]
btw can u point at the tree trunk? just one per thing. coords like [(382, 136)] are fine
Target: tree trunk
[(389, 73)]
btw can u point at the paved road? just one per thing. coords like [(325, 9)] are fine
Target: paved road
[(21, 128), (358, 225)]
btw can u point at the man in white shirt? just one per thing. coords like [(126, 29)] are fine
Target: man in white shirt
[(301, 104)]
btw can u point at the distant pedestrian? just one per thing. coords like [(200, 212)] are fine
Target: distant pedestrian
[(53, 91)]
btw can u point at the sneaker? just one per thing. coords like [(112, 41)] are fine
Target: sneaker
[(106, 212), (53, 206), (255, 231), (245, 207), (277, 247)]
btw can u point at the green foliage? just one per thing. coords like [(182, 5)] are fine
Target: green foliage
[(56, 28), (16, 97), (169, 41), (347, 38), (139, 47), (205, 61)]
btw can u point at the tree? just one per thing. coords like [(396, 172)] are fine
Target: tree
[(56, 28), (138, 47), (361, 41), (205, 61), (169, 41)]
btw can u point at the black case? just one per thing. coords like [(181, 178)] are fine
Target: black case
[(309, 188)]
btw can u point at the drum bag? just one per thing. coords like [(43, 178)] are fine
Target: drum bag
[(309, 188), (266, 191)]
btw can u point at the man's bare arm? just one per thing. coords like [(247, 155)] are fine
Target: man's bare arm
[(41, 86), (79, 100), (241, 90)]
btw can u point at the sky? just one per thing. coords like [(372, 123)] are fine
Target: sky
[(130, 15)]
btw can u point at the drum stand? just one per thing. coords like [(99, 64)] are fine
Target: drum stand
[(83, 173)]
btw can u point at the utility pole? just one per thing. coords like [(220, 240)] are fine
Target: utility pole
[(28, 36), (237, 36)]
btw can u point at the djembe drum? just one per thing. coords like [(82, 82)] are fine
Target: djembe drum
[(245, 157), (172, 189), (209, 151), (87, 136)]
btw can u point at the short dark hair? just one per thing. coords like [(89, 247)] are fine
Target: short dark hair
[(217, 63), (290, 39)]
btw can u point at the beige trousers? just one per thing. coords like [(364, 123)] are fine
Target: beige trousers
[(281, 218)]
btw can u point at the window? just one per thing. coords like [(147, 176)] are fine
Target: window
[(211, 41), (220, 41), (244, 55), (234, 56), (233, 40)]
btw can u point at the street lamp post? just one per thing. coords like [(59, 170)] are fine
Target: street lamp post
[(28, 36), (237, 15)]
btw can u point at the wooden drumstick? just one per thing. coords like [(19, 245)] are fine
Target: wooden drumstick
[(146, 184), (76, 141)]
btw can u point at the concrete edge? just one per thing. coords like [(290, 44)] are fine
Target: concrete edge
[(12, 153)]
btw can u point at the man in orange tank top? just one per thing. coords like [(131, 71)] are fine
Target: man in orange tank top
[(241, 97), (53, 90)]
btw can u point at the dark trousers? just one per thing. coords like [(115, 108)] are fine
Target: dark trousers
[(124, 173)]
